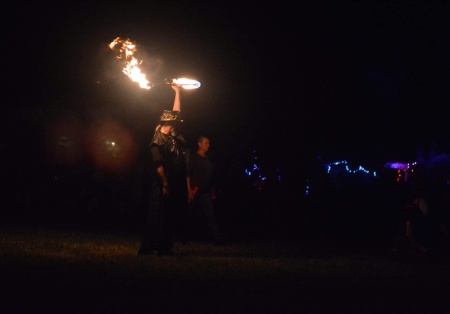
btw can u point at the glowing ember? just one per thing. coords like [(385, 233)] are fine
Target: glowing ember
[(125, 49)]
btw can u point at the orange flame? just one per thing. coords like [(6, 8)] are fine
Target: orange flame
[(125, 49)]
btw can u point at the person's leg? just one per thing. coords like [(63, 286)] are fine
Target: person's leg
[(152, 225), (166, 218), (207, 205), (179, 217)]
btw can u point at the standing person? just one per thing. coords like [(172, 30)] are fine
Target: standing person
[(419, 230), (168, 194), (201, 193), (418, 225)]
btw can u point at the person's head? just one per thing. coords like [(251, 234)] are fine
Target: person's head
[(166, 128), (203, 143), (168, 121)]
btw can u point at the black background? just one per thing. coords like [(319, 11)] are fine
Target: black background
[(365, 81)]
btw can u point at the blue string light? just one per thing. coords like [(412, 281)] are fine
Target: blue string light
[(344, 163)]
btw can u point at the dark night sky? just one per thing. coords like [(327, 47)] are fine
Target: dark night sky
[(366, 80)]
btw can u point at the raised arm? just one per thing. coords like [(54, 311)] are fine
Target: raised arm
[(177, 100)]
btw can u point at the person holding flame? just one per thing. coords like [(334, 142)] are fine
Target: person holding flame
[(168, 194)]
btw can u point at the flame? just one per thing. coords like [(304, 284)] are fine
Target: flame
[(185, 83), (125, 49)]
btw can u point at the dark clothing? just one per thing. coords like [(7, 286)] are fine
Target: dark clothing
[(165, 212), (169, 151), (201, 172), (422, 227)]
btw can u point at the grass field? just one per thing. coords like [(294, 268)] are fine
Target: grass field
[(46, 270)]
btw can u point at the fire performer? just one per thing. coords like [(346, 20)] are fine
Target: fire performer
[(168, 195)]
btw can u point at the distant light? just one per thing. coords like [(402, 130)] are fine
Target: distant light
[(344, 163)]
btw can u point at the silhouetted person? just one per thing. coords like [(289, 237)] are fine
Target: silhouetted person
[(168, 191), (201, 193)]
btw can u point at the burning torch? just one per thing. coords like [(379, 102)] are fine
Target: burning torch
[(184, 83), (125, 50)]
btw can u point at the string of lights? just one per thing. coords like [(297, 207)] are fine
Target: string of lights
[(329, 167)]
